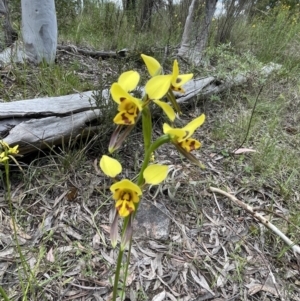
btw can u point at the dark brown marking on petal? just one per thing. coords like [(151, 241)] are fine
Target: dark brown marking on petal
[(125, 119), (186, 134), (192, 145), (126, 196), (177, 89), (129, 208), (182, 145), (178, 80), (131, 109), (122, 99)]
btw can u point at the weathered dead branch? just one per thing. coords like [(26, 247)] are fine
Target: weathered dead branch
[(41, 122), (260, 218)]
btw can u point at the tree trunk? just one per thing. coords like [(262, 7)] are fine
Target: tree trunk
[(10, 35), (39, 29), (192, 46), (185, 41), (129, 5), (234, 9), (146, 14)]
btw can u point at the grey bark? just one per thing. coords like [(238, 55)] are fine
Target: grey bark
[(192, 46), (39, 29)]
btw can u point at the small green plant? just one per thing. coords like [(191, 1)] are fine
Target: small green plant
[(6, 153)]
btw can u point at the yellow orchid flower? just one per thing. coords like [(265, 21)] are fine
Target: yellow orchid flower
[(156, 88), (9, 150), (162, 83), (181, 136), (111, 167), (129, 106), (126, 194), (178, 80), (13, 150)]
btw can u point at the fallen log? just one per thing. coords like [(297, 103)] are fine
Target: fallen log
[(94, 54), (39, 123), (16, 52)]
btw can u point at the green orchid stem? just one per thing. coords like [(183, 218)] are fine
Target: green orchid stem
[(117, 274), (127, 266), (119, 263), (156, 144), (171, 98), (147, 127)]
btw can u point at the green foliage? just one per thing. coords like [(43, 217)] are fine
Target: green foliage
[(273, 34), (105, 25), (66, 11)]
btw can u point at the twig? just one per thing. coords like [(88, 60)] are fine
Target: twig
[(260, 218)]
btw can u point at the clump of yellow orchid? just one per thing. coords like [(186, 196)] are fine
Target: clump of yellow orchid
[(7, 152), (126, 193)]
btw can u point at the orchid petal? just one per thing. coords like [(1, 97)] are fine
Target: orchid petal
[(126, 184), (124, 207), (155, 174), (194, 124), (111, 167), (158, 86), (180, 134), (166, 108), (153, 66), (124, 118), (129, 80)]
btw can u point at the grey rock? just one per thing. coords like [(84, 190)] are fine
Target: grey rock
[(152, 221)]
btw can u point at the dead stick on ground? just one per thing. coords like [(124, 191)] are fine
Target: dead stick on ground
[(259, 217)]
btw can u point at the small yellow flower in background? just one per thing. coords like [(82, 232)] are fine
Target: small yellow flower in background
[(253, 25), (3, 157), (152, 158), (111, 167), (13, 150), (181, 136), (126, 194), (7, 151)]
